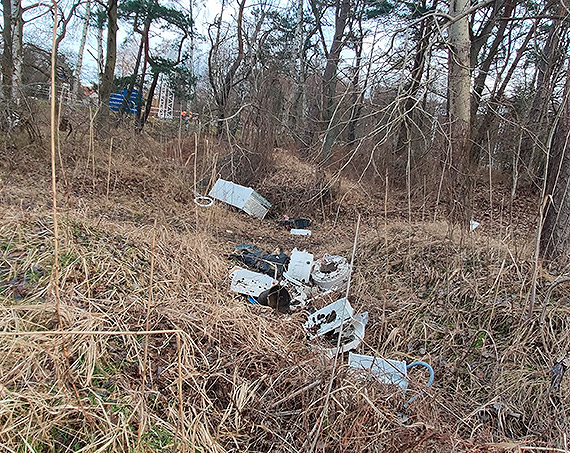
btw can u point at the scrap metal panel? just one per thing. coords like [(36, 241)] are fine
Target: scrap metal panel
[(244, 198)]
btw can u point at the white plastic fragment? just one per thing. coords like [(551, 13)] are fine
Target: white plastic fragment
[(244, 198), (250, 283), (331, 272), (300, 232), (300, 266), (386, 371), (473, 224), (328, 318), (352, 335), (203, 202), (300, 294)]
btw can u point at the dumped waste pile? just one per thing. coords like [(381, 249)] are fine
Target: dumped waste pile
[(298, 282), (160, 343)]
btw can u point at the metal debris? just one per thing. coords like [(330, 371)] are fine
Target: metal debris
[(244, 198)]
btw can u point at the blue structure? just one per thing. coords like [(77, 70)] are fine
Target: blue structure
[(116, 101)]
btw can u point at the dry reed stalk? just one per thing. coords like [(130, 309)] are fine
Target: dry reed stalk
[(324, 411), (109, 158), (54, 208), (148, 305)]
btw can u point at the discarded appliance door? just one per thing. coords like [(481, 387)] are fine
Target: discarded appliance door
[(300, 266), (244, 198), (250, 283), (331, 272), (328, 318)]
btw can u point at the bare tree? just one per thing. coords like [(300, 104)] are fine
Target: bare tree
[(330, 75), (460, 163), (222, 81), (110, 59), (78, 67), (7, 57), (555, 234)]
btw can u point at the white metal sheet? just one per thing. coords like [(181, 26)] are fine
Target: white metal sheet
[(231, 193)]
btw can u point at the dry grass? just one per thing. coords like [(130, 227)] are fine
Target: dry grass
[(224, 375)]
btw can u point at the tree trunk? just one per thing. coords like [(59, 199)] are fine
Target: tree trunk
[(150, 97), (460, 178), (297, 118), (479, 84), (356, 93), (497, 96), (100, 65), (18, 49), (77, 81), (330, 79), (133, 81), (222, 91), (555, 235), (7, 57), (140, 97), (549, 65), (110, 59), (403, 141)]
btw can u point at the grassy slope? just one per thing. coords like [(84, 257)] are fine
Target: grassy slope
[(236, 377)]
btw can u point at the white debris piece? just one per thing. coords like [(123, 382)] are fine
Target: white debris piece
[(352, 335), (244, 198), (331, 272), (473, 224), (250, 283), (300, 294), (300, 266), (386, 371), (329, 318), (300, 232)]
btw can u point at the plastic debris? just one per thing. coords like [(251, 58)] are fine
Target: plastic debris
[(203, 202), (244, 198), (328, 318), (328, 322), (250, 283), (300, 232), (473, 224), (300, 223), (268, 263), (276, 297), (331, 272), (352, 335), (300, 265), (301, 294), (388, 371)]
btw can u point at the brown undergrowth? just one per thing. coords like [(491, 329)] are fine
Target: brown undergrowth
[(224, 375)]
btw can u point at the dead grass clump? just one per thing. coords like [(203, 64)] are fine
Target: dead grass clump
[(248, 381), (462, 308)]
